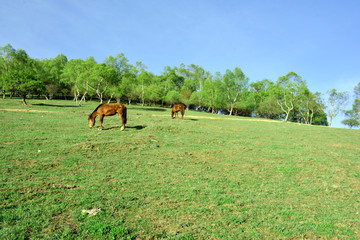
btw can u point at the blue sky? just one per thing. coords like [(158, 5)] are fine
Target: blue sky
[(317, 39)]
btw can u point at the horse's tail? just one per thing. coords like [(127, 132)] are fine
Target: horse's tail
[(125, 115)]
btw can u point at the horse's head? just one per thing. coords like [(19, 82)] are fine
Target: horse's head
[(91, 122)]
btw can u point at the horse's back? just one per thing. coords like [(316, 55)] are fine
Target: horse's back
[(178, 107), (111, 108), (120, 106)]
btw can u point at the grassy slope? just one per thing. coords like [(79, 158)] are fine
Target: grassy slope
[(207, 176)]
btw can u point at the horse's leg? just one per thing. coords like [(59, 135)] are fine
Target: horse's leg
[(182, 114), (122, 121), (101, 121)]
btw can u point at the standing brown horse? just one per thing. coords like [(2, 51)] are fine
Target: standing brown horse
[(108, 110), (177, 108)]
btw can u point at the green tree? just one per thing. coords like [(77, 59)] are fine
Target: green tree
[(356, 105), (307, 104), (21, 75), (236, 83), (120, 63), (154, 90), (315, 108), (171, 82), (74, 75), (189, 82), (335, 103), (173, 97), (102, 78), (353, 115), (197, 100), (185, 96), (51, 75), (7, 58), (288, 89), (265, 99), (269, 108), (213, 93), (208, 94), (246, 105), (144, 78), (123, 69), (261, 91), (129, 84), (194, 76), (351, 120)]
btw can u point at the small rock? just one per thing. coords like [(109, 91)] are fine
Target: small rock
[(91, 212)]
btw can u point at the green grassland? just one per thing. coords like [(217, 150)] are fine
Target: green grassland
[(205, 177)]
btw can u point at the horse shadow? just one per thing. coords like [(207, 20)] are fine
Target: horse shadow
[(138, 127), (153, 109), (53, 105)]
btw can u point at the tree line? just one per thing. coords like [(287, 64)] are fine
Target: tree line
[(115, 79)]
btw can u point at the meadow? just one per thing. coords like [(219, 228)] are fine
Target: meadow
[(205, 177)]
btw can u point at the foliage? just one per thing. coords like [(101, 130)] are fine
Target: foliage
[(50, 73), (353, 115), (236, 85), (102, 78), (289, 89), (19, 73), (74, 75), (173, 97), (116, 78), (269, 108), (213, 94), (351, 122), (335, 103)]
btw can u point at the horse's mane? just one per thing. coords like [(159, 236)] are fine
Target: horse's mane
[(177, 104), (96, 108)]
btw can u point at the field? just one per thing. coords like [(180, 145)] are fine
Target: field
[(205, 177)]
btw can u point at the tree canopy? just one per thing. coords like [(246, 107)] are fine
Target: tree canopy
[(353, 115), (115, 78)]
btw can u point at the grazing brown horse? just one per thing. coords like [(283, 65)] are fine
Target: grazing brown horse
[(177, 108), (108, 110)]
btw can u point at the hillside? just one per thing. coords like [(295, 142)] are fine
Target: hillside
[(205, 177)]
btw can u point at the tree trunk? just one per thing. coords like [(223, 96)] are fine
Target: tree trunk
[(76, 96), (142, 94), (287, 116), (231, 110), (83, 98)]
